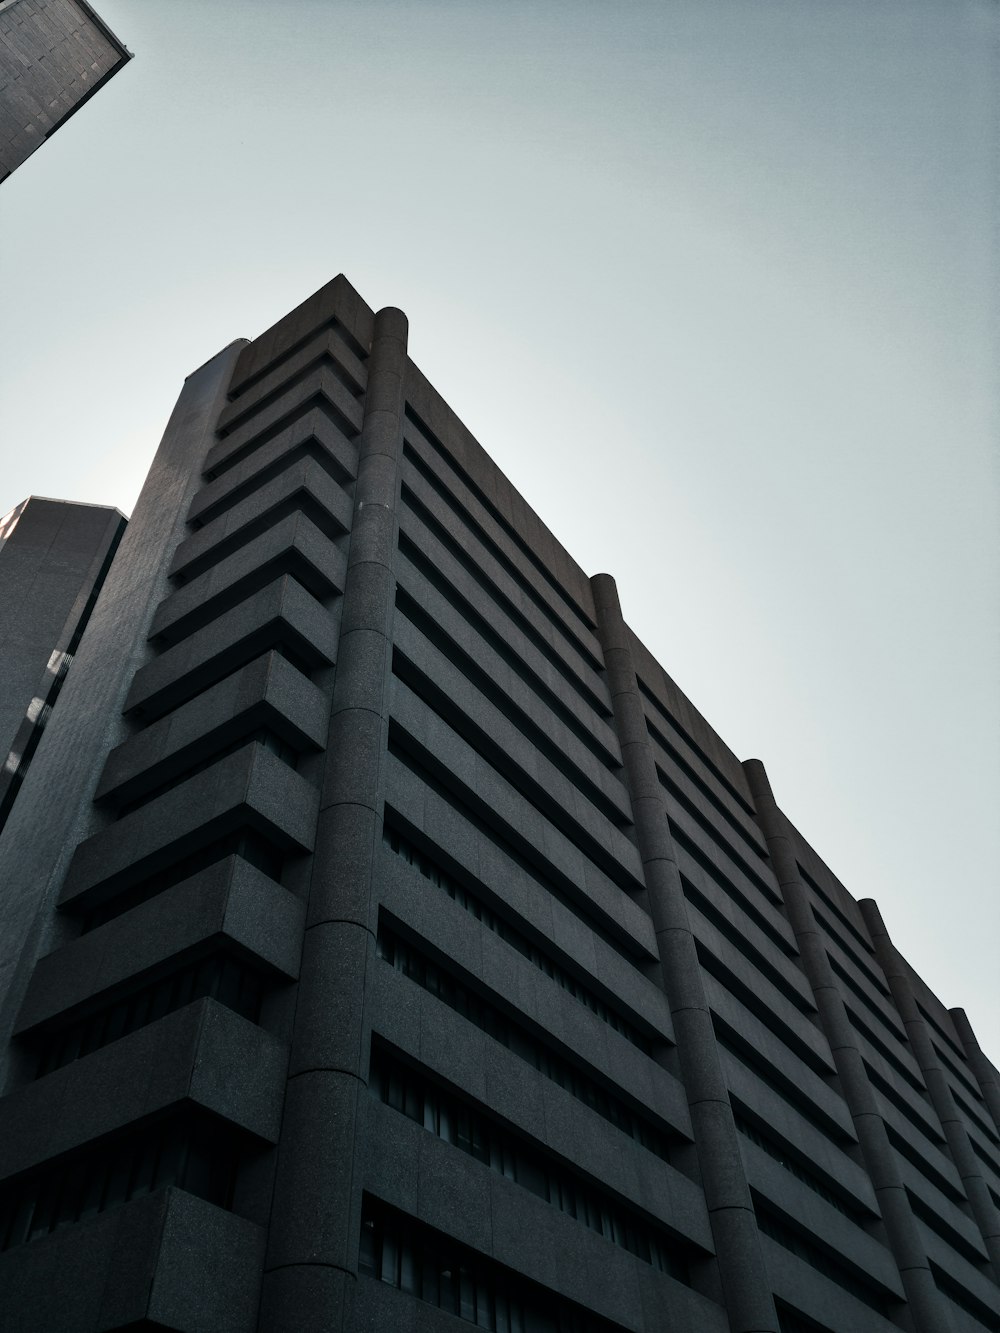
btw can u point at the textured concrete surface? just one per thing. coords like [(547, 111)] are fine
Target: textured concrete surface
[(533, 969), (54, 55)]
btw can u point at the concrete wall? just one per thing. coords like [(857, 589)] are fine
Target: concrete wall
[(54, 55), (399, 878)]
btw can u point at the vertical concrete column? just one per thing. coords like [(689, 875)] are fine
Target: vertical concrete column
[(746, 1286), (976, 1190), (986, 1074), (312, 1258), (928, 1308)]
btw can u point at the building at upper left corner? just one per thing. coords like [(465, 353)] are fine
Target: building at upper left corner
[(54, 55)]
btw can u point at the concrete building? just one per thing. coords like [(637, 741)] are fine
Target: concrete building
[(54, 55), (54, 557), (388, 944)]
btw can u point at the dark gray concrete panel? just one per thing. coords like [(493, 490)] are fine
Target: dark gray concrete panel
[(57, 558), (34, 853), (470, 509), (461, 622), (830, 891), (818, 1297), (312, 437), (513, 984), (736, 895), (722, 820), (825, 1224), (596, 901), (751, 875), (740, 988), (475, 465), (168, 1257), (49, 566), (949, 1118), (500, 804), (504, 589), (986, 1073), (520, 703), (506, 887), (948, 1206), (511, 754), (336, 303), (759, 944), (442, 1041), (303, 487), (57, 55), (249, 789), (328, 348), (319, 387), (230, 902), (203, 1055), (281, 613), (295, 547), (975, 1278), (832, 1157), (679, 707), (269, 692), (462, 1198), (691, 768)]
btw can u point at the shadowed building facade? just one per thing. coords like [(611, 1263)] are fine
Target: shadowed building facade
[(54, 556), (54, 55), (390, 945)]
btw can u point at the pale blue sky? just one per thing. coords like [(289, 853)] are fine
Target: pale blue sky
[(738, 265)]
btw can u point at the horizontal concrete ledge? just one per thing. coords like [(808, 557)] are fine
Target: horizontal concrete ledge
[(230, 906), (292, 546), (329, 348), (312, 437), (318, 387), (267, 693), (303, 487), (251, 789), (336, 302), (201, 1056), (169, 1258), (281, 613)]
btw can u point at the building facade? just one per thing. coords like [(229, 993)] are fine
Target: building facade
[(54, 55), (54, 557), (390, 945)]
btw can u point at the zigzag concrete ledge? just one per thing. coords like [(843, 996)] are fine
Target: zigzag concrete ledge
[(389, 945)]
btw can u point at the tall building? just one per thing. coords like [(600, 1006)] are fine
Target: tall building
[(54, 557), (388, 944), (54, 55)]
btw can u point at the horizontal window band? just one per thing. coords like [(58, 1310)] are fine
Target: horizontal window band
[(462, 1123), (414, 964)]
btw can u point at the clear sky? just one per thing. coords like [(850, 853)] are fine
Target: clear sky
[(737, 265)]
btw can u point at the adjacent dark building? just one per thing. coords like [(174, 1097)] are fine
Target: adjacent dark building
[(54, 55), (54, 556), (389, 945)]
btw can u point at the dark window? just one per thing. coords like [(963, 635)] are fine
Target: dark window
[(474, 905), (219, 977), (456, 1120), (405, 958), (403, 1254), (194, 1154)]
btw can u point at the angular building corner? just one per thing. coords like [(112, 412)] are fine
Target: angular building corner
[(54, 56), (390, 945)]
